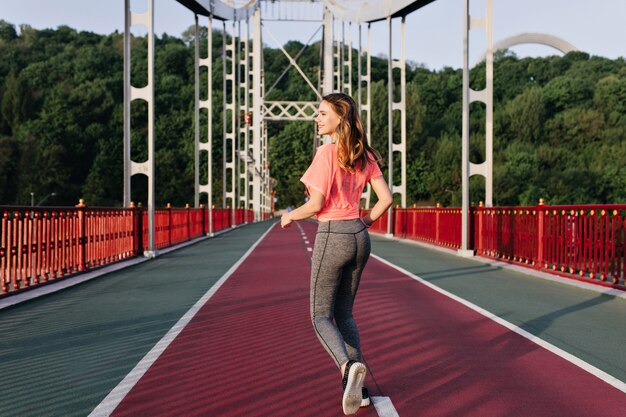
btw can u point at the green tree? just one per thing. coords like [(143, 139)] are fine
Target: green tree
[(8, 169), (15, 103), (525, 115), (564, 92), (610, 99), (575, 127), (559, 122), (7, 31), (290, 153)]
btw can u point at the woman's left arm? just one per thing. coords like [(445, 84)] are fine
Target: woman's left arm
[(308, 209)]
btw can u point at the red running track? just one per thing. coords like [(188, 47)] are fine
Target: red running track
[(251, 351)]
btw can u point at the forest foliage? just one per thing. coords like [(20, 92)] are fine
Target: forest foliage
[(559, 123)]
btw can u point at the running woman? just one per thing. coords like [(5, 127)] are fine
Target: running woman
[(335, 181)]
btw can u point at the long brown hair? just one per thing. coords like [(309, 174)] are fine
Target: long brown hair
[(351, 142)]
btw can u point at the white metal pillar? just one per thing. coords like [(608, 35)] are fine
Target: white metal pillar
[(346, 60), (486, 96), (267, 183), (259, 175), (204, 104), (249, 147), (328, 85), (338, 60), (230, 121), (390, 124), (365, 108), (145, 93), (243, 86), (401, 107)]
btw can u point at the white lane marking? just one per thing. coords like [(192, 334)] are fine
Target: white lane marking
[(306, 241), (384, 407), (609, 379), (115, 397), (309, 249)]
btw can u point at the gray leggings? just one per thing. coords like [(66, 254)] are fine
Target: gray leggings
[(342, 248)]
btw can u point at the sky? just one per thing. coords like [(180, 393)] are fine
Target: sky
[(434, 34)]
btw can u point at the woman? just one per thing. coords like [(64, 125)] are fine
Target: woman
[(335, 181)]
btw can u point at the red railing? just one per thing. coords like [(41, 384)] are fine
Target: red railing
[(438, 226), (109, 235), (510, 233), (38, 245), (380, 225), (585, 242)]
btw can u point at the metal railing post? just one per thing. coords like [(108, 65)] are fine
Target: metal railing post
[(81, 238)]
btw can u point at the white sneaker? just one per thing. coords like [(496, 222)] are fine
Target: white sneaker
[(352, 394)]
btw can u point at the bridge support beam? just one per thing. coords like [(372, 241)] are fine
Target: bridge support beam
[(244, 155), (260, 170), (328, 58), (147, 94), (365, 108), (486, 96), (346, 59), (400, 106), (206, 146), (229, 149)]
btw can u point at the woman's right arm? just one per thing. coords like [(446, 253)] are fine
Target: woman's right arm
[(385, 200)]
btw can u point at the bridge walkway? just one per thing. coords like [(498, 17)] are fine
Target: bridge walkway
[(221, 328)]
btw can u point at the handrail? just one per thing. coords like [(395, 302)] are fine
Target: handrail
[(586, 242), (44, 244)]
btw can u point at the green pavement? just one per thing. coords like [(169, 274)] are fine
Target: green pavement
[(589, 325), (61, 354)]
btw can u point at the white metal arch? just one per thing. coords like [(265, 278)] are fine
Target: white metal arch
[(552, 41)]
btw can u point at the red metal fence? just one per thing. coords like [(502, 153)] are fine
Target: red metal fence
[(584, 242), (42, 244)]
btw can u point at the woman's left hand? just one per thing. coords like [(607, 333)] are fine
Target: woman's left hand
[(285, 221)]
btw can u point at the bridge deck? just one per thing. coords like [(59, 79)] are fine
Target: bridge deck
[(197, 333)]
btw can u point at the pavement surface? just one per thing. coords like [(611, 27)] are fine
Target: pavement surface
[(250, 349)]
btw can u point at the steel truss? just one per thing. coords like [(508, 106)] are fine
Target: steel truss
[(289, 110)]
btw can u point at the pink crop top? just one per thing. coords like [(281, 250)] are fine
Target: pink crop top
[(342, 189)]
